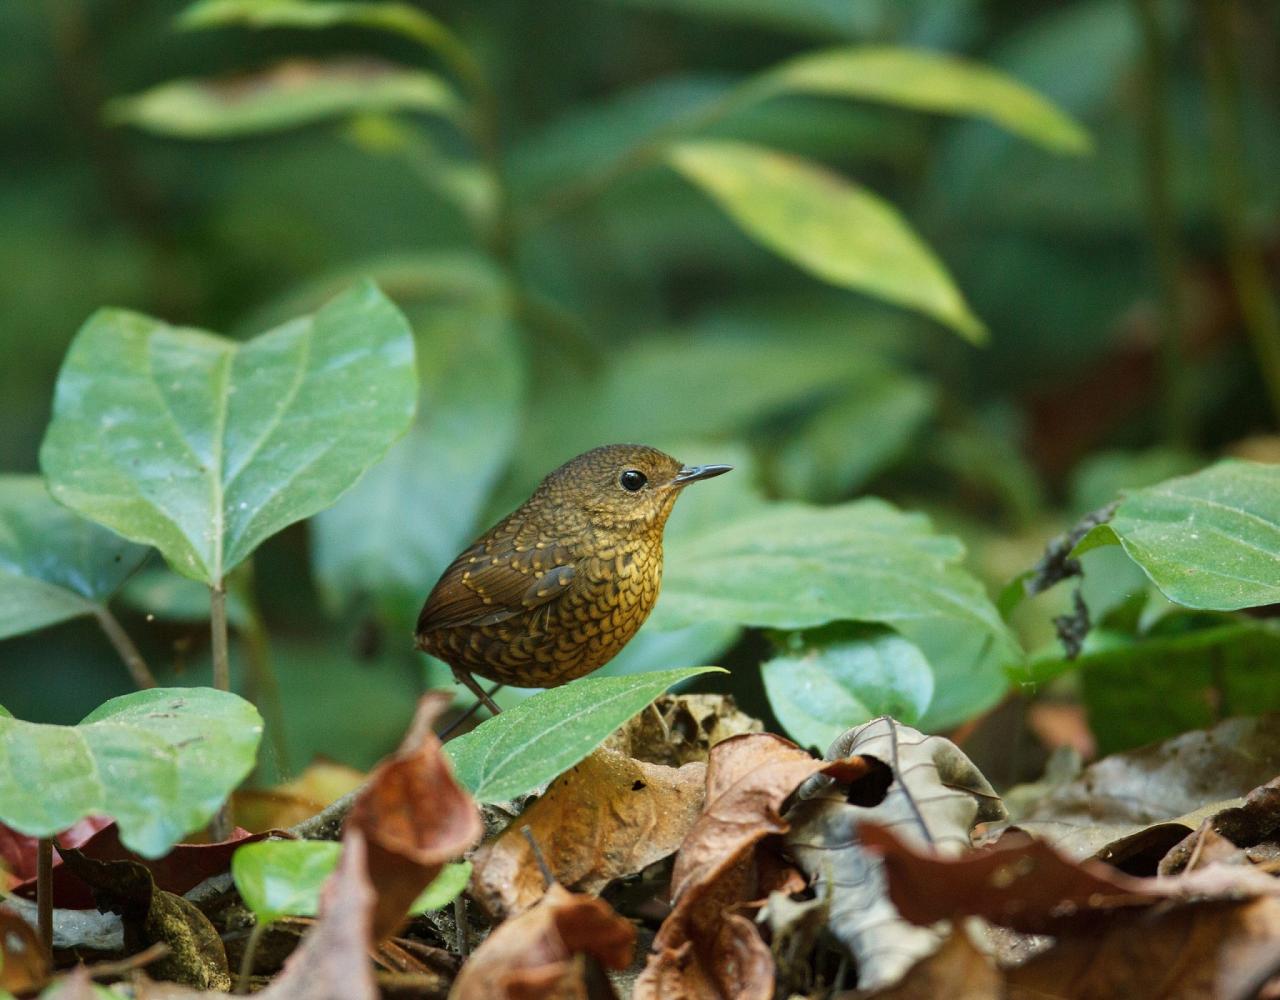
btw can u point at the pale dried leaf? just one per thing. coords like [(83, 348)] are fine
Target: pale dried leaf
[(930, 793)]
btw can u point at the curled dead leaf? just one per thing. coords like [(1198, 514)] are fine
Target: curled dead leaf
[(547, 951), (607, 817), (414, 817), (196, 955), (704, 948), (1252, 829), (922, 786)]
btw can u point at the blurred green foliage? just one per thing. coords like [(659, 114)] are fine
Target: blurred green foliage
[(1046, 178)]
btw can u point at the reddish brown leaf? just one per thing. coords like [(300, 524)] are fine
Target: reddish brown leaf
[(608, 817), (1222, 950), (414, 817), (22, 962), (704, 949), (18, 851), (1028, 886), (539, 954), (183, 868)]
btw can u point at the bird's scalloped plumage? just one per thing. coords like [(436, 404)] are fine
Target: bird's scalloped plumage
[(560, 585)]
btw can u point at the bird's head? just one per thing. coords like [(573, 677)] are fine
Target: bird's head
[(623, 486)]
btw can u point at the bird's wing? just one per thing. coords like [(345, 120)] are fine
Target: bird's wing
[(493, 581)]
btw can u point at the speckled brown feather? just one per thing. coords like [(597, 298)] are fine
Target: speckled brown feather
[(559, 586)]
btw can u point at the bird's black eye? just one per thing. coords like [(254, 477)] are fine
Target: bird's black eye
[(633, 480)]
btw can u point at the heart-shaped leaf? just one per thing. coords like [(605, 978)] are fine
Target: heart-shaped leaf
[(1209, 540), (54, 565), (830, 681), (790, 566), (826, 225), (404, 522), (278, 878), (539, 739), (161, 762), (204, 447)]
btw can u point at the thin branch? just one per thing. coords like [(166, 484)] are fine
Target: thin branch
[(218, 632), (1248, 271), (142, 676)]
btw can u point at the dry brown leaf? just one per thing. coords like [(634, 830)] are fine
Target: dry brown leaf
[(1252, 829), (1199, 951), (196, 956), (284, 805), (704, 949), (414, 817), (608, 817), (679, 729), (925, 788), (546, 952), (1175, 780), (22, 962), (956, 971)]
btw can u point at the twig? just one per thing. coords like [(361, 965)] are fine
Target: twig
[(218, 634), (113, 970), (250, 952), (460, 920), (547, 877), (137, 666), (1248, 272), (44, 896)]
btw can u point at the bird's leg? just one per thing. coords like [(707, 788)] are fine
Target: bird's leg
[(463, 677), (449, 729)]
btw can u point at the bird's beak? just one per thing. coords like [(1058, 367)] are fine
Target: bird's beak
[(692, 473)]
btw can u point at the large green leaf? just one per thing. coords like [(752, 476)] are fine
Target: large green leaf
[(541, 738), (278, 878), (928, 81), (826, 225), (54, 565), (825, 684), (795, 567), (1208, 541), (402, 524), (161, 762), (288, 95), (204, 447)]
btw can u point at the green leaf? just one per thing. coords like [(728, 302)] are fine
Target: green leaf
[(204, 447), (286, 96), (54, 565), (790, 566), (402, 19), (928, 81), (819, 18), (828, 683), (537, 740), (403, 523), (825, 225), (279, 878), (1209, 541), (161, 762)]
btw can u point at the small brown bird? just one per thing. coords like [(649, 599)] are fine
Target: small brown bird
[(557, 587)]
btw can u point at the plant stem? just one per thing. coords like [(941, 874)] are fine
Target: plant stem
[(1248, 272), (1162, 221), (262, 676), (250, 952), (137, 666), (218, 632), (44, 895)]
